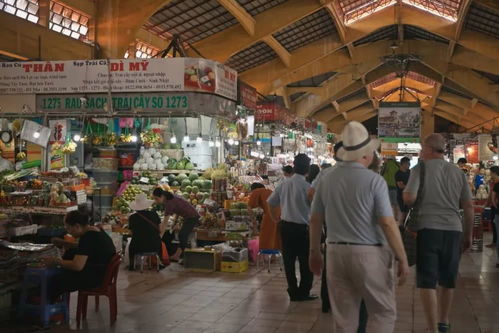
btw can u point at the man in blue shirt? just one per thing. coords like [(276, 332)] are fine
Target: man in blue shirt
[(363, 238), (291, 196)]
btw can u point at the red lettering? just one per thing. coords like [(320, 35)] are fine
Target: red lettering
[(134, 66), (59, 67), (114, 67), (48, 68), (27, 67), (37, 68), (144, 65)]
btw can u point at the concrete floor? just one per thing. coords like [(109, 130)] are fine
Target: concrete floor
[(178, 301)]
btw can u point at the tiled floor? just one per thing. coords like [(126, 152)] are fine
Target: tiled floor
[(177, 301)]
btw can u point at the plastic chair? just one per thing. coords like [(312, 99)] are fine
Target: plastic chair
[(108, 289), (269, 254), (39, 276), (146, 257)]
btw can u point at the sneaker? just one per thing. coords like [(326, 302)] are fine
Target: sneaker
[(443, 328)]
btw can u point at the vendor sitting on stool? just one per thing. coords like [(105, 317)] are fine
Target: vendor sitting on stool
[(87, 268), (144, 225), (176, 205)]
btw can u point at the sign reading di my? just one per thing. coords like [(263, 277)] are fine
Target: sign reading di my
[(121, 75)]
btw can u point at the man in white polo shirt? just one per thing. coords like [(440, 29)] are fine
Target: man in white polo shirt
[(354, 203)]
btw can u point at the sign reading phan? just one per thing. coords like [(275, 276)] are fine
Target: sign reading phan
[(126, 75)]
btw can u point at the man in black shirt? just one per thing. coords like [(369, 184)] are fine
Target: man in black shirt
[(401, 179)]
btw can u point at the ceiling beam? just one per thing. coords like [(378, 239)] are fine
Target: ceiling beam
[(441, 105), (224, 44), (278, 49), (474, 60), (242, 16), (340, 27), (431, 55), (463, 11), (337, 124)]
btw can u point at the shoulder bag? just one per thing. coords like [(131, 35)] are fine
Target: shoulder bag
[(409, 229)]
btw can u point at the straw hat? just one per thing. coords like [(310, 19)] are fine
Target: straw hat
[(357, 142), (141, 202)]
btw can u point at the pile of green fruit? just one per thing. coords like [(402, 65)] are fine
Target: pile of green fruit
[(153, 178), (130, 193), (184, 164), (121, 205), (239, 208), (197, 184)]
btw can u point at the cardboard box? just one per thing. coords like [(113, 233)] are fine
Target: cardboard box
[(234, 267), (201, 260)]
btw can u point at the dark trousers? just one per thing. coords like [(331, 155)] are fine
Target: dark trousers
[(494, 228), (295, 244), (186, 230)]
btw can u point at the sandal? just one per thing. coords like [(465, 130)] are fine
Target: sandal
[(443, 328)]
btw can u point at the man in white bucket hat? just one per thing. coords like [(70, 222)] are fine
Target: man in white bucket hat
[(354, 203)]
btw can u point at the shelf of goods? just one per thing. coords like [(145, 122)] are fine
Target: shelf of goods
[(38, 210)]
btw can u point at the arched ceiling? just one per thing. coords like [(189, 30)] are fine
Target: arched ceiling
[(334, 60)]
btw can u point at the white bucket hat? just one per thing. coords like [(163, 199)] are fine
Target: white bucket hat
[(357, 142), (141, 202)]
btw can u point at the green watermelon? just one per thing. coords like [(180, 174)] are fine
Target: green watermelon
[(193, 177)]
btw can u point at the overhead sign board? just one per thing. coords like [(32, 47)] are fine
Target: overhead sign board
[(118, 75), (400, 120), (185, 102)]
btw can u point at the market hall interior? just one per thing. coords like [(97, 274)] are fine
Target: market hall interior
[(104, 100)]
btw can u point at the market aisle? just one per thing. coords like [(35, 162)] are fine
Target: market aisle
[(176, 301)]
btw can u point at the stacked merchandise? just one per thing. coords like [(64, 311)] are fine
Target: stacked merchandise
[(235, 260), (105, 173), (238, 222)]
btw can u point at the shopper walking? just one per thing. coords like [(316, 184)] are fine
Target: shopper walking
[(291, 196), (388, 172), (353, 201), (440, 237), (401, 179), (269, 238), (492, 203)]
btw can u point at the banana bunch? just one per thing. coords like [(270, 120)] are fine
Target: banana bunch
[(126, 138), (69, 147), (21, 156)]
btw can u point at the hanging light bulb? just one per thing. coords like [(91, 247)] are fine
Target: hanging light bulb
[(186, 138), (236, 142), (36, 135), (199, 139), (262, 155), (211, 144), (77, 137), (134, 138), (173, 140), (230, 142), (258, 142), (217, 143)]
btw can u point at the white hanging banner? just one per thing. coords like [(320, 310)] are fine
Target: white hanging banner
[(35, 133), (118, 75)]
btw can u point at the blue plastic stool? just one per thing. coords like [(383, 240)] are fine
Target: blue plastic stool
[(39, 276), (270, 254)]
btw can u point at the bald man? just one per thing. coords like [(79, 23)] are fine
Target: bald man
[(441, 237)]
